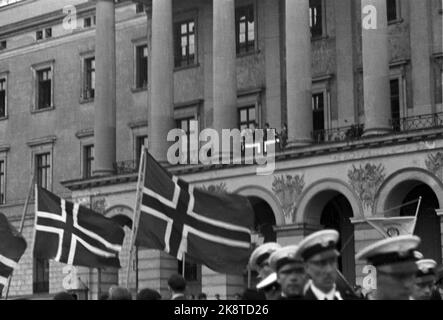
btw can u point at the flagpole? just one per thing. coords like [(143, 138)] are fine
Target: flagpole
[(22, 224), (183, 265), (135, 219), (416, 213)]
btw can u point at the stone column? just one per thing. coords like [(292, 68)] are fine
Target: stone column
[(347, 106), (375, 41), (298, 73), (160, 114), (105, 99), (421, 44), (224, 66)]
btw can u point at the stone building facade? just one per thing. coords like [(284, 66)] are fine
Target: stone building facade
[(358, 83)]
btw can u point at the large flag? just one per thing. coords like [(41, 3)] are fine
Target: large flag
[(393, 226), (12, 247), (73, 234), (212, 229)]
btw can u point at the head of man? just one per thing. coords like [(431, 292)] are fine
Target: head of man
[(395, 261), (177, 284), (425, 279), (259, 260), (320, 255), (290, 271)]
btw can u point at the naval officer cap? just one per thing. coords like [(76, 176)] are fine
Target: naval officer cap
[(284, 256), (269, 281), (426, 271), (319, 246), (393, 255), (261, 254)]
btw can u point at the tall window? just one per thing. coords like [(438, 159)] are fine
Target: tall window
[(184, 43), (185, 125), (88, 160), (139, 7), (43, 169), (393, 10), (142, 66), (44, 87), (245, 29), (2, 98), (395, 104), (318, 116), (316, 17), (89, 84), (2, 45), (247, 118), (2, 182), (139, 142), (41, 276)]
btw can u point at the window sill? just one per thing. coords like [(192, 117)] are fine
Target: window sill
[(319, 38), (42, 110), (396, 21), (141, 89), (249, 53), (4, 118), (191, 66), (84, 101)]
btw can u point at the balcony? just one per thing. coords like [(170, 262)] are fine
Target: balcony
[(421, 122), (343, 134)]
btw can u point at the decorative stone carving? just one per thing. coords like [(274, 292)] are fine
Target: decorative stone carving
[(98, 204), (365, 181), (287, 189), (215, 188), (435, 164)]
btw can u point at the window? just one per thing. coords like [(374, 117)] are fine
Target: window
[(39, 35), (2, 97), (2, 45), (439, 81), (2, 182), (318, 115), (41, 276), (184, 43), (247, 118), (44, 88), (393, 10), (88, 22), (185, 125), (139, 7), (316, 17), (43, 170), (191, 270), (141, 66), (245, 29), (43, 34), (139, 142), (88, 159), (48, 33), (89, 82), (395, 104)]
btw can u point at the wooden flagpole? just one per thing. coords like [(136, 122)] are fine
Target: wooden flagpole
[(135, 220), (22, 223)]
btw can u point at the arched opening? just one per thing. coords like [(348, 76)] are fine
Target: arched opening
[(264, 223), (428, 222), (336, 215)]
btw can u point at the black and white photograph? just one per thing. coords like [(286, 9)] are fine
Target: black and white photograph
[(236, 150)]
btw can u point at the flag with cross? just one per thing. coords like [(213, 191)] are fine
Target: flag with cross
[(213, 229), (73, 234)]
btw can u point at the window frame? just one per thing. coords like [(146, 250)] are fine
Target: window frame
[(323, 21), (4, 76), (88, 161), (322, 85), (84, 95), (139, 42), (189, 60), (398, 16), (3, 176), (254, 47), (137, 81), (137, 146), (36, 91), (40, 146), (46, 169)]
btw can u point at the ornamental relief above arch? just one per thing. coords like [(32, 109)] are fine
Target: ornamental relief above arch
[(287, 189)]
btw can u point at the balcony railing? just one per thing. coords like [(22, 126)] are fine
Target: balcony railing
[(426, 121), (349, 133), (127, 166)]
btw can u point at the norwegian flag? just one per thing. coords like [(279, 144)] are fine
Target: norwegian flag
[(12, 247), (212, 229), (73, 234)]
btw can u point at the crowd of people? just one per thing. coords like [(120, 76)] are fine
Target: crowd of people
[(309, 271)]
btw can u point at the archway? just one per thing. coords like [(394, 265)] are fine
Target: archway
[(264, 221), (428, 222)]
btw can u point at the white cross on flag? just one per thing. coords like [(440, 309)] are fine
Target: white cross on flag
[(73, 234)]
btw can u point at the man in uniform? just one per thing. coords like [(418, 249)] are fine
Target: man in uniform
[(290, 272), (320, 256), (425, 279), (395, 262), (259, 262)]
